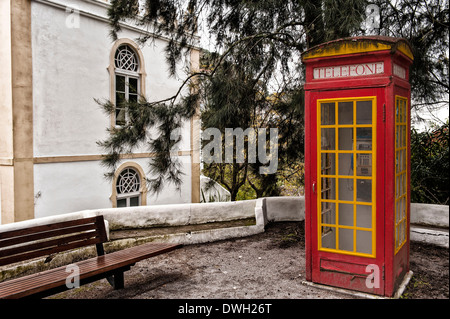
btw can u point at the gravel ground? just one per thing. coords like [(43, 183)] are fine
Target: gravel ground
[(268, 265)]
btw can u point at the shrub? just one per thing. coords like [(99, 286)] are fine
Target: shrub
[(430, 166)]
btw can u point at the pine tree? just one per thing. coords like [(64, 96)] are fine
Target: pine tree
[(258, 46)]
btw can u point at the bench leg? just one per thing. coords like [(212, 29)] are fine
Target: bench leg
[(116, 280)]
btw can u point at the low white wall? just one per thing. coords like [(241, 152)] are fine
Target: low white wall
[(270, 209), (293, 209), (156, 215), (285, 208), (177, 214), (429, 236), (429, 215)]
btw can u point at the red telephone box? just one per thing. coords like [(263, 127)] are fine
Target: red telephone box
[(357, 181)]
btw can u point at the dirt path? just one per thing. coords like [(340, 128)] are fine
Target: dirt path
[(268, 265), (430, 265)]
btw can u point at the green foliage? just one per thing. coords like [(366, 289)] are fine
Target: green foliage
[(430, 166), (246, 192), (425, 25), (238, 97), (166, 119), (255, 78)]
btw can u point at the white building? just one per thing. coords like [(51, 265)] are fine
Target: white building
[(56, 57)]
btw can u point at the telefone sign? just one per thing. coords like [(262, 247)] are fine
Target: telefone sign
[(342, 71)]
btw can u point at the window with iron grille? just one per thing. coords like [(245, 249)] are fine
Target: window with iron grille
[(127, 81)]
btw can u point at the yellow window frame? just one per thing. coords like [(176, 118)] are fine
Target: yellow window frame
[(401, 171), (355, 177)]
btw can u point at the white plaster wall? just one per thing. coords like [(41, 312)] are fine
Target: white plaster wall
[(62, 188), (70, 71), (159, 84), (169, 194), (68, 187)]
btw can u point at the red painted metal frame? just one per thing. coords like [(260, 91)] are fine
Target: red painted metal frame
[(349, 271), (398, 262)]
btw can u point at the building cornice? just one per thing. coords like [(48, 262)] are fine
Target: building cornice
[(97, 9)]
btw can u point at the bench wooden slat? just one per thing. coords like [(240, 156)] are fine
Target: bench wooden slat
[(87, 268), (48, 234), (47, 251), (21, 287), (52, 243), (23, 244), (48, 227), (37, 241)]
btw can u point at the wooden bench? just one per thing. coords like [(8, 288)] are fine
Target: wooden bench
[(47, 240)]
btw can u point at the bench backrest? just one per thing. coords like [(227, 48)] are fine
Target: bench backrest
[(37, 241)]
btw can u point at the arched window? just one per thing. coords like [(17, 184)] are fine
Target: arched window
[(128, 188), (127, 77), (125, 59), (127, 81)]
